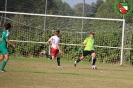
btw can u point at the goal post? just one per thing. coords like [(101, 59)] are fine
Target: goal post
[(65, 19), (122, 45)]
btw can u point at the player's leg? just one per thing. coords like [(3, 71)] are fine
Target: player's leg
[(81, 58), (78, 60), (53, 57), (4, 62), (55, 53), (1, 57), (58, 60), (93, 60), (6, 56), (46, 54)]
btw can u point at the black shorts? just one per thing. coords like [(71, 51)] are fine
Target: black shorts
[(85, 53)]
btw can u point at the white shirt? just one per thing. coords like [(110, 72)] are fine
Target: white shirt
[(54, 40)]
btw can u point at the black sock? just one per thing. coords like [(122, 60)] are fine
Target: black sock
[(48, 56), (78, 60), (58, 61), (94, 61)]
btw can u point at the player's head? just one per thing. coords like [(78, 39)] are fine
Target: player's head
[(57, 32), (7, 26), (91, 35)]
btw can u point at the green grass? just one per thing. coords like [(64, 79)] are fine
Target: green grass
[(43, 73)]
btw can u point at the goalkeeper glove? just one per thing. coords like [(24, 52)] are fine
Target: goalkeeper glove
[(80, 49)]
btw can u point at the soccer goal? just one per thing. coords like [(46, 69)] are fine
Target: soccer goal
[(31, 31)]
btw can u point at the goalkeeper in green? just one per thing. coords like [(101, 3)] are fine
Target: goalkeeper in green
[(88, 49)]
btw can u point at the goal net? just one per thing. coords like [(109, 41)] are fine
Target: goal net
[(30, 32)]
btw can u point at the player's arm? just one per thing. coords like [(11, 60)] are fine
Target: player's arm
[(10, 43), (58, 46), (49, 41), (83, 44)]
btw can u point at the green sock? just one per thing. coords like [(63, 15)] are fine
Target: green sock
[(3, 64)]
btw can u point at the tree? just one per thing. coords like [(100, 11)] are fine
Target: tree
[(95, 6), (78, 8), (109, 12)]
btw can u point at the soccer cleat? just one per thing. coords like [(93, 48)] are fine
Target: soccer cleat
[(60, 67), (94, 67), (2, 71), (75, 63), (44, 52)]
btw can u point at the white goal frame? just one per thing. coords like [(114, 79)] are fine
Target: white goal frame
[(110, 19)]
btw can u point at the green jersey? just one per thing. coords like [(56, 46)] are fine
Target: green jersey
[(89, 42), (3, 37)]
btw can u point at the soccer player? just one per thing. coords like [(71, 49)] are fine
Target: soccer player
[(4, 40), (55, 48), (89, 49)]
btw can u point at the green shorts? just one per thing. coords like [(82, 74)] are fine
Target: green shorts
[(4, 51)]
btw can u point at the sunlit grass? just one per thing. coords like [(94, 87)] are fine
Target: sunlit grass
[(43, 73)]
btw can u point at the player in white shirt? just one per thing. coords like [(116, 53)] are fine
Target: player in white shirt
[(54, 40), (55, 48)]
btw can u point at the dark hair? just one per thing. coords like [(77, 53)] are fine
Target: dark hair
[(7, 25), (92, 33), (57, 31)]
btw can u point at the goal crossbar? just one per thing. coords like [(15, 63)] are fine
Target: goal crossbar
[(47, 15)]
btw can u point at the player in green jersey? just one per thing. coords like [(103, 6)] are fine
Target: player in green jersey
[(4, 40), (89, 49)]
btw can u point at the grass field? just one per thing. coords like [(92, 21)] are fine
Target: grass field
[(43, 73)]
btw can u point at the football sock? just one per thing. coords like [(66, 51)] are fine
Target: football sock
[(3, 64), (48, 56), (58, 61), (93, 61), (78, 60)]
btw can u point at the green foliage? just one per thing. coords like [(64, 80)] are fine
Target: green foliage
[(31, 28)]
